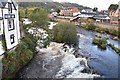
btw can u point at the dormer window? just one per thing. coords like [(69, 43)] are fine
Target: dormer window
[(10, 7)]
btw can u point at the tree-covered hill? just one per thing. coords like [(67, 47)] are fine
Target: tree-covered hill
[(51, 5)]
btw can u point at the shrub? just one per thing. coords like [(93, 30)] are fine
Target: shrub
[(119, 32), (4, 42), (108, 31), (101, 42), (16, 59), (89, 26), (65, 32), (9, 63), (114, 48)]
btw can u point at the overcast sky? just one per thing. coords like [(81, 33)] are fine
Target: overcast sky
[(101, 4)]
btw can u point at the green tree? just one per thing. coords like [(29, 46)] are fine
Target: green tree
[(39, 18), (113, 7), (95, 9), (65, 32)]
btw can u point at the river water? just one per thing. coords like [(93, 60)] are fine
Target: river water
[(105, 62)]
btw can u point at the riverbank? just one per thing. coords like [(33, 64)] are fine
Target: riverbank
[(103, 30)]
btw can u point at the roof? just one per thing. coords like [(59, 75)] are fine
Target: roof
[(1, 5), (4, 2), (89, 13), (101, 17)]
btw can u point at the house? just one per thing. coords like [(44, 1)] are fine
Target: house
[(54, 14), (102, 18), (114, 16), (68, 11), (52, 17), (9, 24), (87, 13)]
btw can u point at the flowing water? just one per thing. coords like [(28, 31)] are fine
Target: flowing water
[(105, 62)]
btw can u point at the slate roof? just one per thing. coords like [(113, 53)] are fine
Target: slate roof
[(101, 17), (89, 13), (4, 2)]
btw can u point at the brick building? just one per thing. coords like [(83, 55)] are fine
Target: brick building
[(69, 11)]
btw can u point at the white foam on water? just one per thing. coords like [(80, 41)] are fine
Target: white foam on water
[(71, 66)]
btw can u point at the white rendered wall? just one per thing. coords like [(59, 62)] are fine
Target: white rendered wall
[(16, 31)]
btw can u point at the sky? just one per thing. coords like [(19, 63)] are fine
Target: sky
[(100, 4)]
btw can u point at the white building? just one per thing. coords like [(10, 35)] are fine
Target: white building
[(9, 23), (86, 13)]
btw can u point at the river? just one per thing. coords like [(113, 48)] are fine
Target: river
[(105, 62), (50, 64)]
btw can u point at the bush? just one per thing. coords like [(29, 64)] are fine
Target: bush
[(89, 26), (9, 63), (101, 42), (108, 31), (117, 50), (4, 43), (65, 32), (13, 61)]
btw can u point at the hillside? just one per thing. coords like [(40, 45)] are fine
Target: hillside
[(51, 5)]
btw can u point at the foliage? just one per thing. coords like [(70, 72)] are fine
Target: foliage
[(119, 32), (101, 42), (65, 32), (31, 41), (26, 12), (4, 42), (49, 38), (89, 26), (113, 7), (51, 5), (39, 18), (14, 60), (117, 50), (95, 9), (108, 31)]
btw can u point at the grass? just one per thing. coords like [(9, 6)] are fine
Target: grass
[(90, 26)]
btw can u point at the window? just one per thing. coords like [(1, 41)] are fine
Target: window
[(12, 38), (9, 16), (11, 24), (9, 7)]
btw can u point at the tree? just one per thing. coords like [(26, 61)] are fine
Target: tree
[(65, 32), (39, 18), (113, 7), (95, 9)]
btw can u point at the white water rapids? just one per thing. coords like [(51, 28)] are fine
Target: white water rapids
[(71, 66)]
